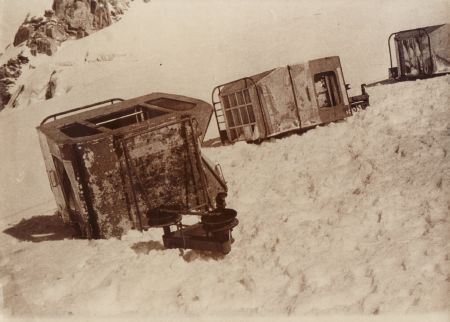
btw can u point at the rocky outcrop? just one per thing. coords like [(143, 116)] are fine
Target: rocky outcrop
[(69, 19), (42, 44), (76, 14), (9, 72), (51, 86), (24, 33)]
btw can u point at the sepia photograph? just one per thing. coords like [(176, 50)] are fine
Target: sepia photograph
[(225, 160)]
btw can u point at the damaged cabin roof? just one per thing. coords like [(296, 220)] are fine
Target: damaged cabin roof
[(405, 34), (128, 115), (239, 84)]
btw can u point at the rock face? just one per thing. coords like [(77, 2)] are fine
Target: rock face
[(76, 14), (40, 43), (23, 34), (69, 19), (51, 86), (9, 72)]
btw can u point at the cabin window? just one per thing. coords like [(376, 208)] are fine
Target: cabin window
[(327, 89), (171, 104), (239, 113), (414, 56), (77, 130)]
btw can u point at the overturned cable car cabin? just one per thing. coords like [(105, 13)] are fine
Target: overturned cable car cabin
[(137, 164), (284, 99), (420, 53)]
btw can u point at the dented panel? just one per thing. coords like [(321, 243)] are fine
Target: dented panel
[(55, 182), (284, 99), (309, 114), (162, 167), (134, 157), (105, 188), (279, 102), (79, 212)]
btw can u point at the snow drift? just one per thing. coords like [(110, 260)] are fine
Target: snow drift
[(352, 217), (349, 218)]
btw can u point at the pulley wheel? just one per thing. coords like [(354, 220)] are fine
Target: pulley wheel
[(219, 219)]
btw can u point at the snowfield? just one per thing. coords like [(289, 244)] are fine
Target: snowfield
[(352, 217), (348, 218), (347, 221)]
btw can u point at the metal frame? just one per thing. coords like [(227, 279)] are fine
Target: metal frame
[(199, 162), (131, 170), (215, 103), (240, 119), (54, 116), (332, 91), (410, 30), (220, 178), (295, 97)]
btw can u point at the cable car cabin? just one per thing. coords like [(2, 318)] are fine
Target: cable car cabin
[(134, 164), (280, 100), (421, 53)]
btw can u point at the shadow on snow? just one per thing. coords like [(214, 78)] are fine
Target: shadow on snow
[(42, 228)]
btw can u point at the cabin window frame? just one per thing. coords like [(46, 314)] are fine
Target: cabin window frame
[(332, 89), (239, 112)]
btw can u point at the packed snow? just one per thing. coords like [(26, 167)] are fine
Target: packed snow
[(348, 219)]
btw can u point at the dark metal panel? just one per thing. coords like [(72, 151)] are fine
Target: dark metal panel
[(163, 168), (115, 179), (52, 174), (105, 188)]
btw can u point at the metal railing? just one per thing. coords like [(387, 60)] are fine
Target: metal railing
[(54, 116)]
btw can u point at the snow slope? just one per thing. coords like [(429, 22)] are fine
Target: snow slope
[(350, 218)]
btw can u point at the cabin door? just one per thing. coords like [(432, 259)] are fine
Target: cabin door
[(325, 74)]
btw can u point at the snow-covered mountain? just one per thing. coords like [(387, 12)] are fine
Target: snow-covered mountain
[(350, 218)]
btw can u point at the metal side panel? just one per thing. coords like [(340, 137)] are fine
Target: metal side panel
[(105, 188), (163, 168), (279, 102), (344, 107), (80, 212), (261, 129), (309, 114), (440, 44), (55, 184)]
